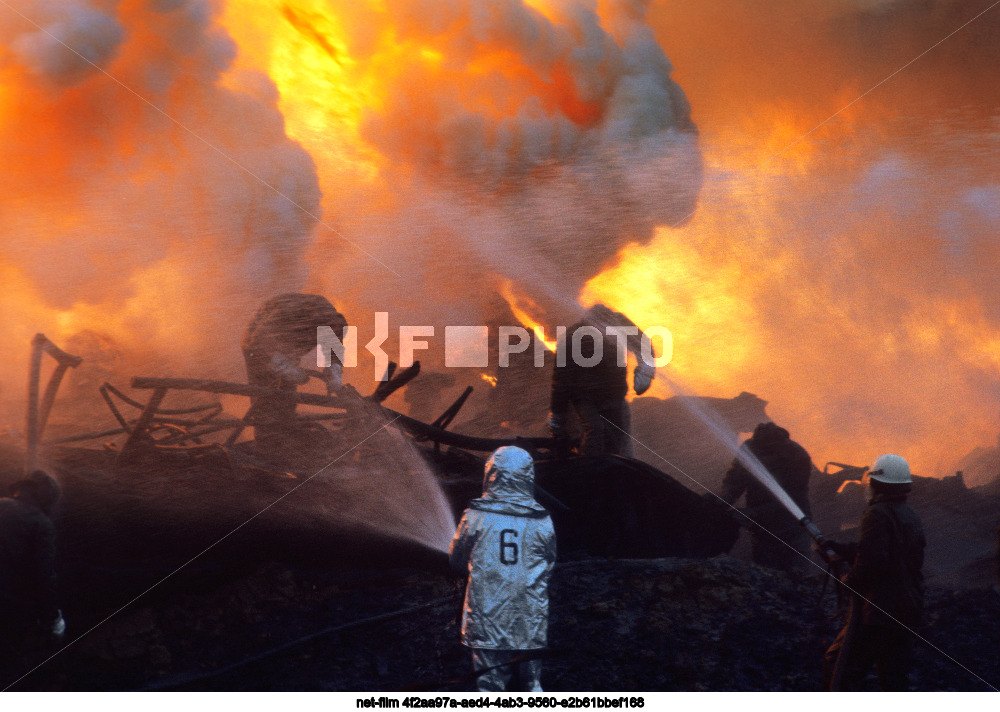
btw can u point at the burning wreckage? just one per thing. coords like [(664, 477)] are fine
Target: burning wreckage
[(378, 488), (178, 502), (352, 482)]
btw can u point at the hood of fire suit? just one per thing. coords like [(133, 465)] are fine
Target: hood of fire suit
[(509, 484), (292, 318)]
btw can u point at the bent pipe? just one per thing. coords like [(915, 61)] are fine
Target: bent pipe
[(412, 425)]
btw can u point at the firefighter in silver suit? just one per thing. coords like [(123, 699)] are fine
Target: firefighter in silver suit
[(280, 335), (506, 543)]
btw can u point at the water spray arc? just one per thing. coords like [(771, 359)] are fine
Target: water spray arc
[(837, 565), (730, 440)]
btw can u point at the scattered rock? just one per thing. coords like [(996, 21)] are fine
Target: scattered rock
[(615, 625)]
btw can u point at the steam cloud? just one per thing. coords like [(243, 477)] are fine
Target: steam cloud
[(77, 41), (464, 142), (515, 143), (144, 197), (847, 280)]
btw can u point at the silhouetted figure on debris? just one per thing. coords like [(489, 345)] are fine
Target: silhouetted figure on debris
[(886, 582), (777, 539), (506, 543), (280, 335), (28, 606), (596, 392)]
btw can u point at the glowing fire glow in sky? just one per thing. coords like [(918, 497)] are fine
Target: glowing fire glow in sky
[(169, 164)]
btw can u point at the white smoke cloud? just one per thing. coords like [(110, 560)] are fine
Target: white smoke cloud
[(153, 202), (538, 166), (75, 39)]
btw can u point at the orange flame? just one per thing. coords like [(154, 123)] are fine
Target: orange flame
[(492, 380), (843, 274), (522, 308)]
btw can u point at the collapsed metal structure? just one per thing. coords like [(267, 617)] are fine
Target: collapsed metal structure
[(608, 505)]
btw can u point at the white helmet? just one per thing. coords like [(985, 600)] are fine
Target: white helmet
[(890, 469)]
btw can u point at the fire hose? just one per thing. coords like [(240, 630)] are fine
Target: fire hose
[(836, 563), (838, 566)]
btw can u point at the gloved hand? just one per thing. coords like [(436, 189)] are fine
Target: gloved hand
[(839, 548), (556, 425), (282, 366), (57, 627), (642, 378)]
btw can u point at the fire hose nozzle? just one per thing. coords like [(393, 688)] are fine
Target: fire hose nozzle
[(813, 530), (829, 555)]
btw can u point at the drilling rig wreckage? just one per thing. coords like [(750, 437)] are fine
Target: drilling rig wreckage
[(601, 505)]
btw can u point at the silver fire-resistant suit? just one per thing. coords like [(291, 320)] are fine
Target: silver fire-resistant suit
[(282, 332), (506, 542)]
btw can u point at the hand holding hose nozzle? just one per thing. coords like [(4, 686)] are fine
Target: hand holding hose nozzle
[(838, 557), (54, 629), (834, 553)]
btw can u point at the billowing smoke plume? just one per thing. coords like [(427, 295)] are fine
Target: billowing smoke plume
[(502, 139), (458, 144), (156, 199), (145, 198), (74, 41), (848, 279)]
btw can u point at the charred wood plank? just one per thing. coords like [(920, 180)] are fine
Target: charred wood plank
[(139, 433), (61, 357), (404, 422), (104, 390), (464, 442), (159, 411), (393, 383), (84, 436), (444, 420), (49, 398), (34, 376), (241, 389)]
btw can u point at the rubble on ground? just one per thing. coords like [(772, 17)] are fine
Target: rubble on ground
[(616, 625)]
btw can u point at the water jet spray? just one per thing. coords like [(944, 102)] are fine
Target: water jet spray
[(753, 465)]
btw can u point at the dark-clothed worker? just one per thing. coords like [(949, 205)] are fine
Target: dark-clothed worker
[(886, 582), (596, 392), (27, 569), (777, 539), (506, 543)]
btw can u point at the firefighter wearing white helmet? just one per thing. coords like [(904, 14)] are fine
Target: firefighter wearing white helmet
[(890, 469), (886, 582)]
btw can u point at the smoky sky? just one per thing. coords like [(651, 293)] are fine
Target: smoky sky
[(840, 271), (184, 163)]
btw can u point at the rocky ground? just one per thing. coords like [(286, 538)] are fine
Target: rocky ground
[(616, 625), (253, 616)]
